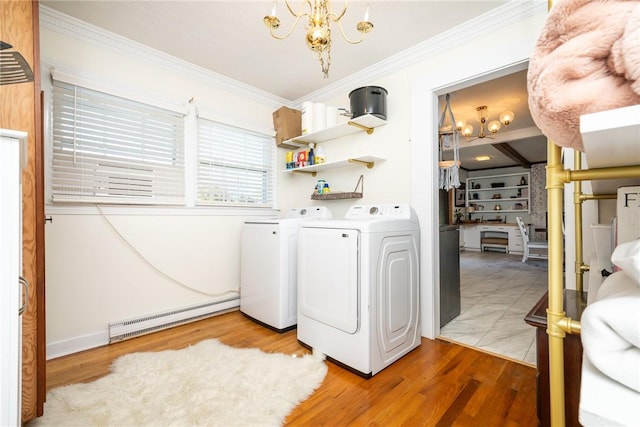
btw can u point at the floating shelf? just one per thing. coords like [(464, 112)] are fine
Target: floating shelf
[(368, 161), (337, 196), (341, 195), (364, 123)]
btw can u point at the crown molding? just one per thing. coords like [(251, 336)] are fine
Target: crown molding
[(509, 13), (67, 25)]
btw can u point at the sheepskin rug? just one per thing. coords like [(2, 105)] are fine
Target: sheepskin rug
[(207, 384)]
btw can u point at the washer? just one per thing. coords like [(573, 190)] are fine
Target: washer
[(268, 273), (358, 286)]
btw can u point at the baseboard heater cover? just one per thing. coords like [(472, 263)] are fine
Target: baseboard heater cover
[(122, 330)]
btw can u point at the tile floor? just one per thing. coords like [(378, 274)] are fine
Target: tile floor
[(497, 291)]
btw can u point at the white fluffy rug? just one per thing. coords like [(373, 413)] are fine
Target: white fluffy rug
[(207, 384)]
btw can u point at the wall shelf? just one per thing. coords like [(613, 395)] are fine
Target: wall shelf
[(366, 123), (338, 195), (341, 195), (610, 139), (513, 196), (367, 161)]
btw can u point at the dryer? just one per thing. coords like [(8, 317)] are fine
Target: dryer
[(268, 267), (358, 286)]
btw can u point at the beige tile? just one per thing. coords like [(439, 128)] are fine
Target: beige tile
[(497, 291)]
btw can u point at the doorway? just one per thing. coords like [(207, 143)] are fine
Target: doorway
[(497, 289)]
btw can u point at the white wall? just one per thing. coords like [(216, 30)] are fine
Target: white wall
[(115, 284), (387, 182), (457, 66), (462, 57), (93, 276)]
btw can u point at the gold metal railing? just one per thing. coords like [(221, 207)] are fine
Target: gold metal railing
[(555, 310), (558, 324)]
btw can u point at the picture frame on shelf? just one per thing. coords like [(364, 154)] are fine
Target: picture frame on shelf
[(460, 196)]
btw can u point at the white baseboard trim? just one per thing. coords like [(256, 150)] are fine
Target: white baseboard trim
[(100, 338), (77, 344)]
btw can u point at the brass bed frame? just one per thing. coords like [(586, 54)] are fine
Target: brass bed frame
[(558, 323)]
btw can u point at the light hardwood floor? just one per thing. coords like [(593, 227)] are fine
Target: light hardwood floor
[(437, 384)]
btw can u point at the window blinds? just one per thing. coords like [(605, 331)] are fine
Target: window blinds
[(113, 150), (235, 166)]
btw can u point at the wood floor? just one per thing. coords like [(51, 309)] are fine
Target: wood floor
[(437, 384)]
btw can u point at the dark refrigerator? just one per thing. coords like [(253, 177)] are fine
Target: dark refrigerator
[(449, 273)]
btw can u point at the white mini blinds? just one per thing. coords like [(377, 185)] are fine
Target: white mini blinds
[(108, 149), (235, 166)]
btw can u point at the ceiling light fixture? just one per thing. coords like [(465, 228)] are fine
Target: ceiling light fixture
[(319, 16), (483, 158), (493, 126)]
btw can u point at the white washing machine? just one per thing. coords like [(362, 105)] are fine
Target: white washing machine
[(268, 272), (358, 286)]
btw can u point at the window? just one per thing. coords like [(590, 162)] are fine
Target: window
[(109, 149), (235, 166)]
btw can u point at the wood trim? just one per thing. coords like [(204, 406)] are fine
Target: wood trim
[(41, 339), (20, 110), (514, 155)]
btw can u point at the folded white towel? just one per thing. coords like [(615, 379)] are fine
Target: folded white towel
[(627, 257), (611, 330)]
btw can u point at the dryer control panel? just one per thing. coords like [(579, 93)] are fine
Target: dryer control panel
[(384, 211), (320, 212)]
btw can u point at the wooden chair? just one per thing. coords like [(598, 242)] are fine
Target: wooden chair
[(540, 248)]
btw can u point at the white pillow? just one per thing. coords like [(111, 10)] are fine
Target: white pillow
[(627, 257)]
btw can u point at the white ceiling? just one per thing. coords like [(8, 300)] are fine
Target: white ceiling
[(229, 38), (505, 93)]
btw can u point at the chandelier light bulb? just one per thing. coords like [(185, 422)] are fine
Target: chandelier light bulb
[(460, 124), (507, 117), (467, 131), (494, 126)]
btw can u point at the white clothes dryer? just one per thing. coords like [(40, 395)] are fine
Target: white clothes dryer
[(358, 286), (268, 267)]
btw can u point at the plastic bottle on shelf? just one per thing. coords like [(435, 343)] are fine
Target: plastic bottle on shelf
[(319, 155), (312, 157)]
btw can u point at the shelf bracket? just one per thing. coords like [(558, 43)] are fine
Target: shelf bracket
[(313, 173), (359, 126), (369, 165)]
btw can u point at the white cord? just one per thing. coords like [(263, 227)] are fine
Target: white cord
[(153, 267)]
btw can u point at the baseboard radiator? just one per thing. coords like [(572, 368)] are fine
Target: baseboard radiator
[(130, 328)]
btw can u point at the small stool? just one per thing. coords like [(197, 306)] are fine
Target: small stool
[(494, 242)]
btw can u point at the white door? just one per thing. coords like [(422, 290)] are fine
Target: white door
[(10, 270), (328, 277)]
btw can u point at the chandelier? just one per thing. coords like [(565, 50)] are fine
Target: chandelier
[(320, 15), (466, 130)]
